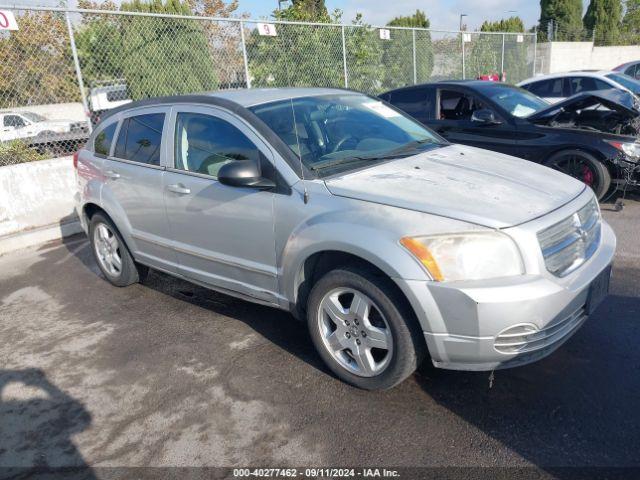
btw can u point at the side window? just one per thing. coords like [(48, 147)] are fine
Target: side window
[(633, 71), (13, 121), (417, 102), (204, 143), (546, 88), (140, 137), (102, 143), (457, 105), (587, 84)]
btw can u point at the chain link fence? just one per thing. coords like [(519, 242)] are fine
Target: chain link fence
[(64, 67)]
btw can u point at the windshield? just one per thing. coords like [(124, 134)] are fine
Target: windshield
[(345, 131), (517, 101), (34, 117), (626, 81)]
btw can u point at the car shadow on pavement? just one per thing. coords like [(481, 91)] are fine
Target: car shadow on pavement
[(576, 408), (37, 423)]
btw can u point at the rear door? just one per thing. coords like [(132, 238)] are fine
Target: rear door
[(132, 191), (224, 236)]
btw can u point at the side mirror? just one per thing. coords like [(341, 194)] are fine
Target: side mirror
[(485, 116), (243, 173)]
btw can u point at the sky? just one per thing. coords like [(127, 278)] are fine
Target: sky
[(443, 14)]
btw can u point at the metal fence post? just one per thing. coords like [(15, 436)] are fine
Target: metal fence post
[(244, 56), (415, 64), (76, 63), (463, 66), (502, 64), (344, 59), (535, 48)]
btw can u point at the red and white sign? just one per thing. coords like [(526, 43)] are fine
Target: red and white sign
[(267, 30), (7, 20), (385, 34)]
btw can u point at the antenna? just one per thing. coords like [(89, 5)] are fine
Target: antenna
[(295, 128)]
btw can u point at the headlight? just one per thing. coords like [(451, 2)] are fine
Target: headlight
[(466, 256), (631, 150)]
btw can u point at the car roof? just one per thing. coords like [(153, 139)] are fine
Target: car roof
[(584, 73), (444, 83), (257, 96)]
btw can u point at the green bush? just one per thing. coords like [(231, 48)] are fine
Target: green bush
[(15, 151)]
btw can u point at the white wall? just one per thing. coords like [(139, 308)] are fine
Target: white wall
[(555, 57), (36, 202)]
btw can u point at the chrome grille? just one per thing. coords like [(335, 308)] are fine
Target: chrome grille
[(571, 242)]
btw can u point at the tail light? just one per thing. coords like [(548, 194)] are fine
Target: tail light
[(75, 160)]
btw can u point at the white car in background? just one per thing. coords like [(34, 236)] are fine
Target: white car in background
[(18, 125), (558, 86)]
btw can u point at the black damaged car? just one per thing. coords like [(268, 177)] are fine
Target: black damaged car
[(592, 136)]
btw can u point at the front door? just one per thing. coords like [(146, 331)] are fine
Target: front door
[(224, 236)]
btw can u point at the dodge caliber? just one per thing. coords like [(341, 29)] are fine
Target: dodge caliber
[(392, 244)]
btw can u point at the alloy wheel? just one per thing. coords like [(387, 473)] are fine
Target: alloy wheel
[(107, 250)]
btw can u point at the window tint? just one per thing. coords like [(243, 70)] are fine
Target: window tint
[(457, 105), (102, 143), (204, 143), (139, 138), (587, 84), (546, 88), (417, 102), (13, 121)]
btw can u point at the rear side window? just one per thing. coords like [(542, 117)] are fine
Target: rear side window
[(417, 102), (205, 143), (140, 137), (546, 88), (102, 143)]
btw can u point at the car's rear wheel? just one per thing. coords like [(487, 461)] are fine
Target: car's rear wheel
[(111, 253), (584, 167), (363, 329)]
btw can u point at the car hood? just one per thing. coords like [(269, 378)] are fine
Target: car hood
[(465, 183), (622, 102)]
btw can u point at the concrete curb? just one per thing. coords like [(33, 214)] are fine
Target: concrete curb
[(37, 236)]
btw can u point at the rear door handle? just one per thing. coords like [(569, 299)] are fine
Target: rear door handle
[(179, 189), (112, 174)]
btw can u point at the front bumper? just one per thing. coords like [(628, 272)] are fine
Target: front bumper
[(462, 321)]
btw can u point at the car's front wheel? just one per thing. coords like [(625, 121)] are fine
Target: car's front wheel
[(364, 329), (584, 167), (111, 253)]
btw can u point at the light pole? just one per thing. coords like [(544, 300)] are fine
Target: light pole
[(461, 16)]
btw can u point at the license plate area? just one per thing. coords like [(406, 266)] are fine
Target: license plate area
[(598, 290)]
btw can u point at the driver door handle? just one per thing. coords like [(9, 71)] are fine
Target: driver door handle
[(179, 189), (111, 174)]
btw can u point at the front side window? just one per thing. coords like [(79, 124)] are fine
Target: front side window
[(456, 105), (34, 117), (140, 138), (13, 121), (587, 84), (204, 143), (341, 132), (102, 143)]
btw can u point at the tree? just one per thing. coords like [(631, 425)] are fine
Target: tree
[(561, 20), (37, 65), (398, 52), (603, 18), (313, 8), (631, 22), (489, 50)]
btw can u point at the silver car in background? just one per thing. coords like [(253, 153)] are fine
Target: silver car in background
[(391, 243)]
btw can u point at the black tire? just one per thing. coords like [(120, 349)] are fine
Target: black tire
[(583, 166), (409, 347), (130, 271)]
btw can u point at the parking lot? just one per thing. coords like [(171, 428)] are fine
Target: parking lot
[(170, 374)]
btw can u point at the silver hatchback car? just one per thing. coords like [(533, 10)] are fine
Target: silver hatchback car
[(390, 242)]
